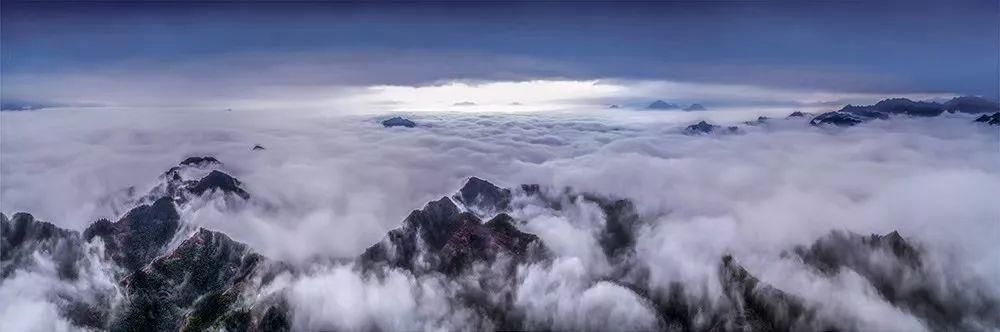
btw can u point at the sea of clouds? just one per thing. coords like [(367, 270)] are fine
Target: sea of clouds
[(329, 185)]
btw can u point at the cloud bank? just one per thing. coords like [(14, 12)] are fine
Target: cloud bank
[(330, 185)]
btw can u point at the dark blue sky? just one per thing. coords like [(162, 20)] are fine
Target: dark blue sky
[(853, 46)]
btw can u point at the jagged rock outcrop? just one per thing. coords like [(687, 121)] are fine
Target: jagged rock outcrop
[(441, 238), (757, 306), (847, 118), (621, 220), (992, 119), (143, 232), (193, 177), (704, 128), (140, 235), (219, 181), (483, 197), (432, 225), (26, 239), (187, 288), (840, 249), (398, 122), (701, 127), (474, 242), (621, 223), (895, 268), (190, 288), (23, 235)]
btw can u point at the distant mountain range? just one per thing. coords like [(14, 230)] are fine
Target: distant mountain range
[(13, 105), (665, 106), (851, 115)]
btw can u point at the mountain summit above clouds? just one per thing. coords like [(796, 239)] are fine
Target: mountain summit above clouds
[(851, 115), (661, 105), (168, 275)]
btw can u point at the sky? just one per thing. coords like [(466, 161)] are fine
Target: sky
[(220, 54)]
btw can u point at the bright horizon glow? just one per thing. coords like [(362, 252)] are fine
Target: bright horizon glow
[(486, 96), (541, 95)]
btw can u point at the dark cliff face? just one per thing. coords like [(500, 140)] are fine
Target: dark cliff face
[(140, 235), (195, 285), (895, 268), (992, 119), (620, 226), (483, 197), (24, 238), (757, 306), (432, 225), (23, 235), (441, 238), (191, 287)]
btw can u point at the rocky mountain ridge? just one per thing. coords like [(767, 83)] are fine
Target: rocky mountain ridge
[(210, 282), (851, 115)]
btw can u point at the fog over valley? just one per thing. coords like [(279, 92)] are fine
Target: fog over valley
[(324, 187)]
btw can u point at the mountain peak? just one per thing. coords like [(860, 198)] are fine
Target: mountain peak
[(138, 237), (199, 161), (218, 180), (971, 104), (484, 196), (398, 121), (695, 107), (992, 119), (662, 105)]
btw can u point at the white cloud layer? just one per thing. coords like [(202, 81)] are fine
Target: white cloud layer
[(329, 185)]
